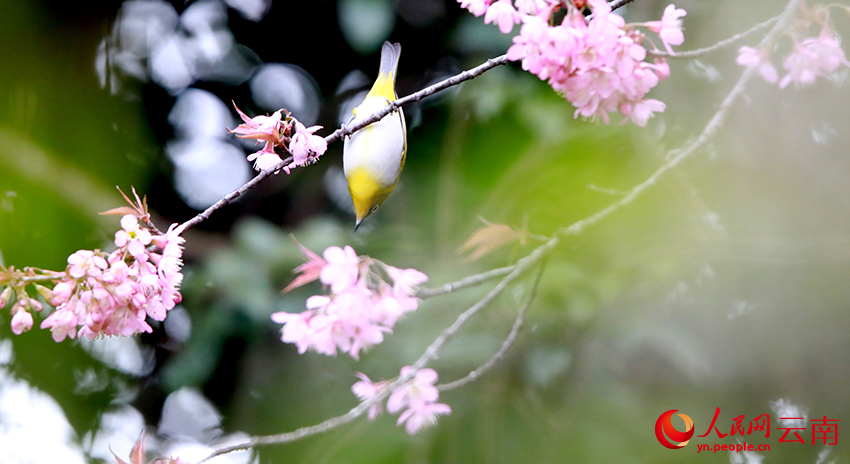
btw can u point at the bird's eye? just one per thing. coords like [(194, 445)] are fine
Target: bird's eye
[(374, 209)]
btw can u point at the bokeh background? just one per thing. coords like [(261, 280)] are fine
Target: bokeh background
[(724, 286)]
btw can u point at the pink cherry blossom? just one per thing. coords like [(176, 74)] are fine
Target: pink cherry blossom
[(360, 308), (661, 68), (529, 44), (296, 328), (417, 391), (171, 259), (21, 321), (535, 7), (503, 13), (750, 57), (342, 268), (266, 158), (85, 263), (669, 28), (415, 399), (387, 309), (365, 389), (422, 416), (406, 281), (405, 284), (62, 291), (132, 236), (4, 297), (598, 65), (306, 147), (476, 7), (264, 128), (812, 58), (275, 131), (641, 111), (106, 295), (62, 323), (309, 271)]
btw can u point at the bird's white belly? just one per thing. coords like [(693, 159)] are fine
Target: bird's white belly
[(377, 148)]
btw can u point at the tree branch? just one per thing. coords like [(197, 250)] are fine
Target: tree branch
[(470, 281), (614, 4), (474, 375), (349, 129), (718, 45), (204, 215)]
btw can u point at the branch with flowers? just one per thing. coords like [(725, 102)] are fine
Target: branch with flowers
[(597, 62)]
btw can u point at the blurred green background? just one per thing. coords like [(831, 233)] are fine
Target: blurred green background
[(724, 286)]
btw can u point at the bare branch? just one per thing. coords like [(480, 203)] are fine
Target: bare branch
[(718, 45), (470, 281), (614, 4), (41, 278), (231, 196), (474, 375), (417, 96)]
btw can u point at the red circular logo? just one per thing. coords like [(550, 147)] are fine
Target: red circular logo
[(664, 428)]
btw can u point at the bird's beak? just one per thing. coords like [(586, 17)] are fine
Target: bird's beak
[(357, 224)]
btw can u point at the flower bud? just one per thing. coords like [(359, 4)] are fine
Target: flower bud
[(34, 304), (19, 306), (45, 292), (4, 297), (21, 322)]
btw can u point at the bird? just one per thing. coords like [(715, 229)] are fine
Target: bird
[(373, 157)]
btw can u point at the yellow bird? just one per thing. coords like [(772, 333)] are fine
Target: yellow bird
[(373, 157)]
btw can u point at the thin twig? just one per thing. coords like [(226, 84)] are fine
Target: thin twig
[(614, 4), (525, 263), (231, 196), (41, 278), (519, 268), (470, 281), (349, 129), (718, 45), (619, 3), (607, 191), (474, 375)]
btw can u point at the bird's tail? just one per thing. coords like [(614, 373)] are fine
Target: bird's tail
[(385, 84)]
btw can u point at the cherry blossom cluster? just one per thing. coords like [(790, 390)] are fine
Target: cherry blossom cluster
[(418, 398), (812, 56), (22, 308), (286, 133), (359, 308), (109, 293), (597, 65)]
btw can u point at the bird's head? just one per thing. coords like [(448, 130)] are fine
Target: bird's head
[(367, 193)]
